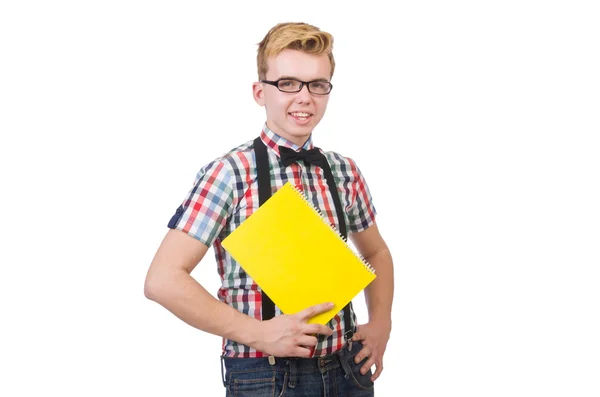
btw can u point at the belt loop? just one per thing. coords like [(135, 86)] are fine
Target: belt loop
[(293, 373), (222, 371), (343, 355)]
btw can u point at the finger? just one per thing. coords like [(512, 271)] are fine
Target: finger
[(301, 352), (307, 340), (312, 311), (379, 366), (366, 366), (317, 329), (358, 336), (362, 354)]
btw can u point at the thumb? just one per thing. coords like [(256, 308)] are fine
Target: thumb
[(358, 335)]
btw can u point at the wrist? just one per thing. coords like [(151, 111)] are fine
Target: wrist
[(251, 333), (384, 322)]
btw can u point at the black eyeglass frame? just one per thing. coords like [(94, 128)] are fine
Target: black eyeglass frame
[(302, 84)]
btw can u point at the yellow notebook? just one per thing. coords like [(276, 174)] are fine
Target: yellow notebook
[(297, 257)]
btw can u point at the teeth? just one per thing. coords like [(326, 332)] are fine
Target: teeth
[(299, 114)]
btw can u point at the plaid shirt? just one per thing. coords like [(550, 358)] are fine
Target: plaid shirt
[(225, 193)]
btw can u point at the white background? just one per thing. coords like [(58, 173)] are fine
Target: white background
[(475, 123)]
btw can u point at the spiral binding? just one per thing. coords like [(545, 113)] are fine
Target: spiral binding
[(337, 233)]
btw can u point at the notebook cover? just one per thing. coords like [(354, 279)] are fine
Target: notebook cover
[(297, 257)]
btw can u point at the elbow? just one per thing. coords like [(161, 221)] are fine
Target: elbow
[(151, 288)]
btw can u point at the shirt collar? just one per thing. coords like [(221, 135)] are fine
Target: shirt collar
[(273, 141)]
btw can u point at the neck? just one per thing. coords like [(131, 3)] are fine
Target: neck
[(295, 139)]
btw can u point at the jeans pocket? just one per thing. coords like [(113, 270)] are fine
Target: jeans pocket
[(243, 385), (360, 380)]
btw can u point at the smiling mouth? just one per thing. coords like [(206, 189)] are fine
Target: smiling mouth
[(301, 116)]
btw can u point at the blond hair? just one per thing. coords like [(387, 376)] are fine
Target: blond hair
[(295, 36)]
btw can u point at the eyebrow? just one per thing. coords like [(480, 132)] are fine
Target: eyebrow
[(297, 79)]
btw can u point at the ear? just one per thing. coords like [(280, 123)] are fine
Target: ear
[(259, 93)]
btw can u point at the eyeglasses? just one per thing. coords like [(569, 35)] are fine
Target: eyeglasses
[(317, 87)]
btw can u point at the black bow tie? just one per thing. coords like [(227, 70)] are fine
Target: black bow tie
[(290, 156)]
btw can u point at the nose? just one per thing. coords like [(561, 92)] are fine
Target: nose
[(303, 95)]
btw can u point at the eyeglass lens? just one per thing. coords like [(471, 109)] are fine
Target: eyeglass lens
[(316, 87)]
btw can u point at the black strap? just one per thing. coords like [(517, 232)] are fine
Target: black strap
[(336, 197), (264, 193), (348, 330)]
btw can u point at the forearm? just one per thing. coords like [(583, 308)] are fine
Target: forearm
[(380, 293), (183, 296)]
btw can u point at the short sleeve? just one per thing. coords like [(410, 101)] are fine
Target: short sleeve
[(204, 212), (362, 212)]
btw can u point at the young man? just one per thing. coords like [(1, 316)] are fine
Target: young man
[(264, 351)]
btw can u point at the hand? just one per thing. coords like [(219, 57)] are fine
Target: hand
[(290, 335), (374, 337)]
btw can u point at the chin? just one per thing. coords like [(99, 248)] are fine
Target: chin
[(301, 131)]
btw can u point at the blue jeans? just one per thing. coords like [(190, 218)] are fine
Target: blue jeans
[(335, 375)]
